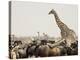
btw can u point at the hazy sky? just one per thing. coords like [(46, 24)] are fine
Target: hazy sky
[(29, 17)]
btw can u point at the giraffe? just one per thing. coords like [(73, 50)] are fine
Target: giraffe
[(66, 33)]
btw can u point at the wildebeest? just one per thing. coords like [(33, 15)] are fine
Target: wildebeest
[(30, 51), (42, 51), (14, 52), (73, 50), (22, 52)]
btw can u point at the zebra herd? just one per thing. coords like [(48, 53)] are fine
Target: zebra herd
[(43, 49)]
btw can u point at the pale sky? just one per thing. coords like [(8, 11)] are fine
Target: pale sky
[(30, 17)]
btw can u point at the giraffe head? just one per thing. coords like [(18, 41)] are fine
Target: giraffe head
[(52, 11)]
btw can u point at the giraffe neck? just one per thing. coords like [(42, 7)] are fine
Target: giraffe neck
[(60, 24)]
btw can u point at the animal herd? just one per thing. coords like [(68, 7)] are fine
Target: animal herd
[(43, 49)]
